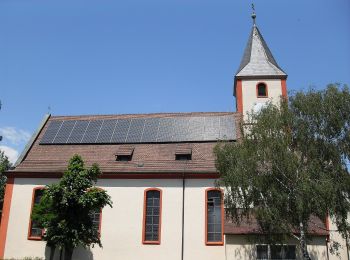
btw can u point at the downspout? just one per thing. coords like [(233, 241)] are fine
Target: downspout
[(328, 236), (183, 213), (347, 246)]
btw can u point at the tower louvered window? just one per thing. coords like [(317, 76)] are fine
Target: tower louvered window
[(152, 216), (214, 215)]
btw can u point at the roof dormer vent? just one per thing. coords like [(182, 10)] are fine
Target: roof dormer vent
[(124, 153), (183, 152)]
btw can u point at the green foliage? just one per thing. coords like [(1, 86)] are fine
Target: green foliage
[(66, 207), (4, 166), (291, 163)]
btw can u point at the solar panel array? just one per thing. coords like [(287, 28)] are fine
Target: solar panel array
[(140, 130)]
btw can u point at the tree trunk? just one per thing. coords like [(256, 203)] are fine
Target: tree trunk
[(303, 245), (68, 253), (61, 254)]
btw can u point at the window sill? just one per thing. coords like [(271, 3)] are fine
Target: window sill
[(35, 238), (151, 242), (221, 243)]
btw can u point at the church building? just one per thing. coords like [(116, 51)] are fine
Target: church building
[(159, 170)]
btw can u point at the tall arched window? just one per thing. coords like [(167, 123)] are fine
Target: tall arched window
[(96, 217), (152, 214), (214, 213), (261, 90), (35, 231)]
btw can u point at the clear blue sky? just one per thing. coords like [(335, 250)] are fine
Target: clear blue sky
[(136, 56)]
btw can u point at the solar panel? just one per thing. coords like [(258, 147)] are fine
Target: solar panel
[(211, 124), (64, 132), (51, 132), (195, 128), (141, 130), (135, 131), (150, 130), (106, 131), (92, 131), (78, 132), (227, 128), (181, 129), (165, 130), (121, 131)]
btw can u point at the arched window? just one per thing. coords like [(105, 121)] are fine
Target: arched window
[(261, 90), (35, 231), (96, 217), (214, 213), (152, 214)]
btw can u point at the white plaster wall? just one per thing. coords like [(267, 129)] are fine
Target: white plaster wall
[(250, 98), (194, 242), (240, 247), (336, 237), (121, 231), (17, 244)]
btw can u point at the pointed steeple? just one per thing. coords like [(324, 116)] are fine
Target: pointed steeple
[(258, 60), (259, 78)]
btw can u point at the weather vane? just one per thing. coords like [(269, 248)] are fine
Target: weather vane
[(253, 14)]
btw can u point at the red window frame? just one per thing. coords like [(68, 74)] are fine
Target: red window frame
[(99, 224), (217, 243), (100, 220), (30, 237), (257, 90), (144, 241)]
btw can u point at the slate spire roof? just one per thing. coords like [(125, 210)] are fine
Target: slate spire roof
[(257, 58)]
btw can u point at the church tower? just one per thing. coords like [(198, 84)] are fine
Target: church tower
[(259, 78)]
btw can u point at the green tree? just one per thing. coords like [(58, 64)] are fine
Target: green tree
[(291, 164), (4, 166), (65, 209)]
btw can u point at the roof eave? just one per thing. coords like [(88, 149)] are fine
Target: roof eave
[(32, 140)]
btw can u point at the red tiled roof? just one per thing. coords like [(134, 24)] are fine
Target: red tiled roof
[(147, 158), (251, 226)]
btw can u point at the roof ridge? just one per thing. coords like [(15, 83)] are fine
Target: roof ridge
[(143, 114)]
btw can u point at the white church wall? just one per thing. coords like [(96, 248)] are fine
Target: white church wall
[(17, 245), (121, 226), (336, 237), (194, 246)]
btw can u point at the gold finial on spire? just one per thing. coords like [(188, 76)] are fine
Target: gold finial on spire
[(253, 14)]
